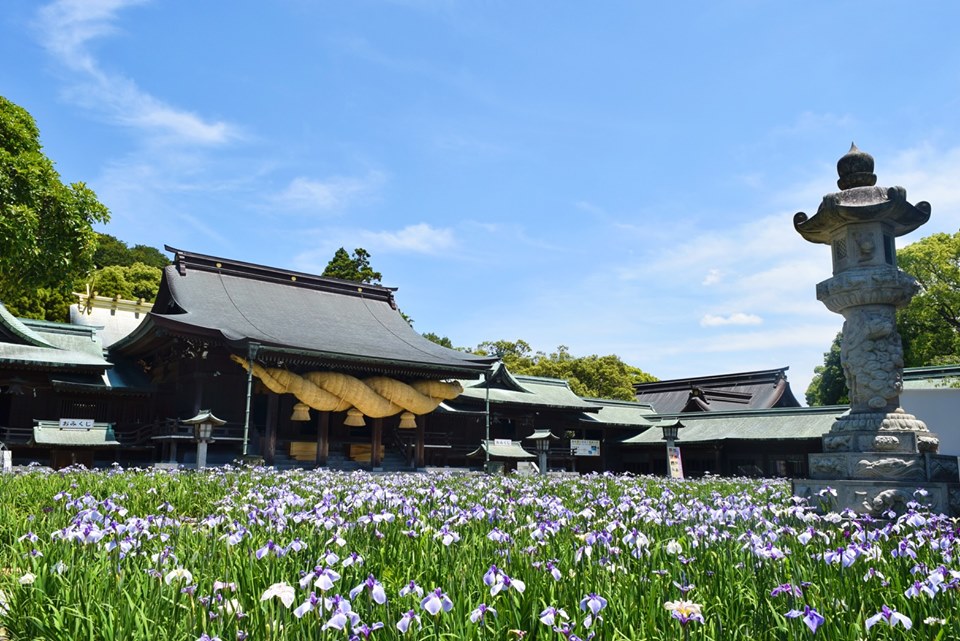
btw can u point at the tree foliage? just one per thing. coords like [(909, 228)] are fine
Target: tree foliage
[(355, 267), (930, 324), (591, 376), (46, 227), (112, 251), (133, 282), (829, 385), (443, 341)]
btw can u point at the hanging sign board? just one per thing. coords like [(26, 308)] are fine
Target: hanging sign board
[(584, 447), (76, 423), (674, 463), (502, 441)]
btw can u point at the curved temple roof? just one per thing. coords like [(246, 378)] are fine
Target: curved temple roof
[(291, 312)]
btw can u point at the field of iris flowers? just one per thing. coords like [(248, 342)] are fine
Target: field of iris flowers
[(250, 553)]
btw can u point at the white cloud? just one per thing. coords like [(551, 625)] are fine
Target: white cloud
[(737, 318), (331, 194), (421, 239), (66, 29), (712, 278)]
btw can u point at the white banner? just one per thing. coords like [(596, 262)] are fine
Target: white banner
[(674, 462), (6, 461), (76, 423), (584, 447)]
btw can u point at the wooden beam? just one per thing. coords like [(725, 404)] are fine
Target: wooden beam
[(419, 453), (323, 438), (270, 437), (376, 443)]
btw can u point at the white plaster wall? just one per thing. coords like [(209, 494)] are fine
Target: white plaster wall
[(939, 408)]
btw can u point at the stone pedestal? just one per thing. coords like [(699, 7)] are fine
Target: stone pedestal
[(877, 456)]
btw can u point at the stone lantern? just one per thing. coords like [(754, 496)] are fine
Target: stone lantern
[(203, 424), (877, 455)]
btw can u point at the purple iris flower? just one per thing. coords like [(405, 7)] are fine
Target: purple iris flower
[(411, 588), (549, 615), (480, 612), (436, 601), (811, 617), (891, 617), (404, 623), (594, 603), (787, 588), (307, 606), (374, 587), (567, 631), (363, 631)]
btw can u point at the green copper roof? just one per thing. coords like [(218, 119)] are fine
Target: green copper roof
[(622, 413), (502, 450), (97, 436), (517, 389), (774, 424), (44, 344)]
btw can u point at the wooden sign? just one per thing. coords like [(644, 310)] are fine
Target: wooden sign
[(674, 463)]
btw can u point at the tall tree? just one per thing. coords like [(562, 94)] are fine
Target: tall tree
[(46, 227), (930, 324), (354, 267), (829, 385)]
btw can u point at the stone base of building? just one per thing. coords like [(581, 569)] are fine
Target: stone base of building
[(878, 497)]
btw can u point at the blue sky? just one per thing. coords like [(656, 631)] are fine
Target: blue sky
[(617, 177)]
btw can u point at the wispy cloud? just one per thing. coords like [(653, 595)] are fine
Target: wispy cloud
[(420, 239), (330, 194), (737, 318), (712, 278), (67, 27)]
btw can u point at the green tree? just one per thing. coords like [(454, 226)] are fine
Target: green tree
[(592, 376), (46, 227), (133, 282), (354, 267), (829, 385), (111, 281), (42, 304), (113, 251), (144, 281), (930, 324), (439, 340)]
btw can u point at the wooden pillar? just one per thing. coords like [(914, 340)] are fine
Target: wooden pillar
[(376, 439), (270, 438), (419, 455), (323, 438)]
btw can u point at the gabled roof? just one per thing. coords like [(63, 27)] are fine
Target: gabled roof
[(621, 414), (517, 389), (46, 345), (511, 449), (791, 423), (329, 321), (746, 390), (932, 377)]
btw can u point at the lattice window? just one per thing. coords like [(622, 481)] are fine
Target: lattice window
[(840, 249)]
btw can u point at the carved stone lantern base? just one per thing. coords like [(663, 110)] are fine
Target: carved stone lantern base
[(877, 498)]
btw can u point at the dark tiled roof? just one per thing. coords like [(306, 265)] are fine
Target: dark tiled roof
[(746, 390), (291, 312)]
